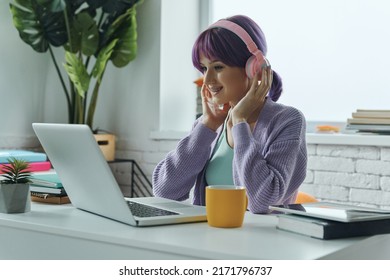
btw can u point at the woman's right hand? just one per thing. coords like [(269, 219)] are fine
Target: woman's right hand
[(213, 114)]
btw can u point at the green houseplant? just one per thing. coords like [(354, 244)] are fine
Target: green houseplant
[(90, 32), (14, 187)]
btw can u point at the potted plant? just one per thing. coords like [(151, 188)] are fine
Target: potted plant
[(14, 187), (91, 33)]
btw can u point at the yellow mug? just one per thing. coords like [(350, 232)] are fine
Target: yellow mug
[(226, 205)]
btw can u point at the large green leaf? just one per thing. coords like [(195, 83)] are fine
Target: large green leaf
[(85, 35), (117, 7), (102, 59), (37, 25), (124, 28), (97, 72), (95, 4), (77, 73), (53, 5)]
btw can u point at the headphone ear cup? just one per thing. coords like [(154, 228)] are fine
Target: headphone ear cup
[(253, 66)]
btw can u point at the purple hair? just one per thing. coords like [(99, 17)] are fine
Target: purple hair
[(225, 46)]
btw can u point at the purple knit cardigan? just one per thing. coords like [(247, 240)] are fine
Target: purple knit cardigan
[(270, 161)]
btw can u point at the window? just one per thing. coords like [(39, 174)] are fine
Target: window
[(181, 22), (179, 28), (333, 56)]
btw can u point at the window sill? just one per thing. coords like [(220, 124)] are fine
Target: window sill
[(361, 139), (167, 135)]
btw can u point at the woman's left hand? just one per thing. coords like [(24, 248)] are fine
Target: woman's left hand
[(254, 98)]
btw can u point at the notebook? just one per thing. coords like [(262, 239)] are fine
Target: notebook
[(327, 229), (333, 211), (91, 186)]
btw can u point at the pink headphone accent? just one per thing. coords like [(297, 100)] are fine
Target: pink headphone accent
[(257, 60)]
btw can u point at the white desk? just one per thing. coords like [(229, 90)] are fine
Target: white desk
[(63, 232)]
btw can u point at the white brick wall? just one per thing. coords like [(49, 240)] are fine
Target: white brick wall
[(349, 174), (339, 173), (385, 154)]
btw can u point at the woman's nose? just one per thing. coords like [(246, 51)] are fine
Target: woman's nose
[(208, 77)]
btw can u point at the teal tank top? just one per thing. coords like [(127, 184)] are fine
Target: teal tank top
[(219, 171)]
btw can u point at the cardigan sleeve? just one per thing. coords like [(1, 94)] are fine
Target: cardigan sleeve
[(176, 174), (271, 169)]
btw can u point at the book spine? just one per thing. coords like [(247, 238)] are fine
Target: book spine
[(33, 166), (371, 115), (369, 121), (28, 158), (45, 184), (372, 111), (47, 190), (45, 198), (40, 166), (356, 229)]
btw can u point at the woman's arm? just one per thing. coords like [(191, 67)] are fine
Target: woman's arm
[(175, 175), (271, 169)]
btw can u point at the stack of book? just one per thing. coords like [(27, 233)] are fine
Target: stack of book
[(377, 121), (331, 221), (48, 188), (37, 161)]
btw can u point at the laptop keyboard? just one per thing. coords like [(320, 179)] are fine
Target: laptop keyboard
[(141, 210)]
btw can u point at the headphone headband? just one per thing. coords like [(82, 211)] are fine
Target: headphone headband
[(239, 31)]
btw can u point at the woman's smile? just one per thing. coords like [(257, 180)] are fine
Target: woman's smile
[(214, 90)]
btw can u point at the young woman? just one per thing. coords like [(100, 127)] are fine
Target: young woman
[(243, 137)]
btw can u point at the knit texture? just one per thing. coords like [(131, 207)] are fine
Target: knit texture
[(270, 161)]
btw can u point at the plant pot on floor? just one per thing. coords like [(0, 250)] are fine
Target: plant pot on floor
[(15, 198), (106, 143)]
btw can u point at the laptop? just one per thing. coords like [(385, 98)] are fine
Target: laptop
[(92, 187)]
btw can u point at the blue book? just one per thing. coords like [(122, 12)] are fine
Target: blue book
[(46, 180), (25, 155)]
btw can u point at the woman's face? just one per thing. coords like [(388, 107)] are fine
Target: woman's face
[(226, 84)]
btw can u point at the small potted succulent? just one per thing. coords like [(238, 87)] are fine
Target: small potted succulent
[(14, 187)]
